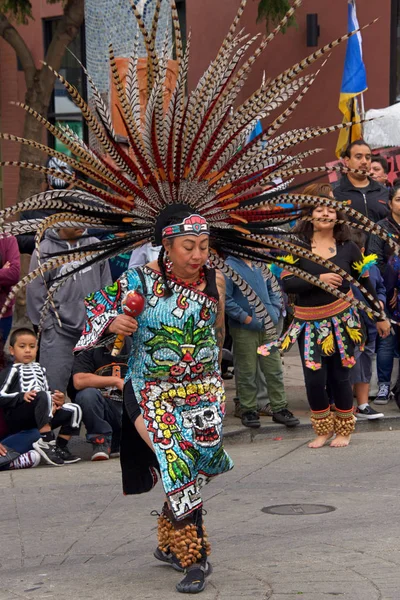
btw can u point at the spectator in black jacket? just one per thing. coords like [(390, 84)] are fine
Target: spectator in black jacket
[(366, 195), (389, 266)]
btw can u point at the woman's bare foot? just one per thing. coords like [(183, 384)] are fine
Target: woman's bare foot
[(340, 441), (320, 440)]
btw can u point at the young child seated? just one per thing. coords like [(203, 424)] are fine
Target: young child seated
[(27, 402)]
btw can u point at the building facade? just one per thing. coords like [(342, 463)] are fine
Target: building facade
[(208, 21)]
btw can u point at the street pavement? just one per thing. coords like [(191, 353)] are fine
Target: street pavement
[(69, 533)]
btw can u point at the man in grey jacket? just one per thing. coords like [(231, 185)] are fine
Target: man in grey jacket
[(57, 343)]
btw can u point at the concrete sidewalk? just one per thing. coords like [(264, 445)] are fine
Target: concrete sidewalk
[(69, 534)]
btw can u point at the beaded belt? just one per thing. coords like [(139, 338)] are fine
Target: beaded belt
[(315, 313)]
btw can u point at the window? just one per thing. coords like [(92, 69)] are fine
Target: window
[(62, 110), (181, 8)]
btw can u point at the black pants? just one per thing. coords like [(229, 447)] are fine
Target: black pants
[(331, 373), (36, 414)]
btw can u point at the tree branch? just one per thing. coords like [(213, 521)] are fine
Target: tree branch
[(67, 29), (12, 37)]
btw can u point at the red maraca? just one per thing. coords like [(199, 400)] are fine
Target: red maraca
[(132, 305)]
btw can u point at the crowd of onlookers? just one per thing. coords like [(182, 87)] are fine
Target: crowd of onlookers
[(44, 388)]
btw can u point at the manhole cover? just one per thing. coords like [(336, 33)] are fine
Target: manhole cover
[(298, 509)]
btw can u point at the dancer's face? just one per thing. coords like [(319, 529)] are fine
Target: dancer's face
[(324, 212), (188, 253)]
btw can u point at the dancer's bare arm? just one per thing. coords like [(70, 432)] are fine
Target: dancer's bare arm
[(220, 320)]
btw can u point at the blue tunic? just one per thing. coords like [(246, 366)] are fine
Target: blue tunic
[(173, 368)]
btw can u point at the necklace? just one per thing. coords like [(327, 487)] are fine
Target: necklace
[(179, 281)]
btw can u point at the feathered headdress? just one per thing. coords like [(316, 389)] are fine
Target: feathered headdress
[(194, 155)]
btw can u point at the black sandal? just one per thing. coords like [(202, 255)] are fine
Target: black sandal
[(194, 580)]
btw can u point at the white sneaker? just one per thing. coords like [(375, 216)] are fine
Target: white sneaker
[(28, 460)]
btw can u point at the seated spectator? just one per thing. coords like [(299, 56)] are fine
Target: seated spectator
[(361, 373), (379, 169), (99, 379), (248, 334), (16, 451), (58, 341), (28, 403)]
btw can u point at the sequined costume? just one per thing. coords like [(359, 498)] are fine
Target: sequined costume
[(175, 377)]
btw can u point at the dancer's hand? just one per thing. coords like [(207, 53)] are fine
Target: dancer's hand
[(3, 450), (123, 325), (383, 328), (331, 279)]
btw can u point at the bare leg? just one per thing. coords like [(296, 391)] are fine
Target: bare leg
[(361, 392), (142, 431)]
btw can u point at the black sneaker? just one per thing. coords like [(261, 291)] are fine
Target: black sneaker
[(101, 448), (66, 455), (285, 417), (48, 452), (251, 419), (368, 413), (238, 409), (384, 394), (115, 447)]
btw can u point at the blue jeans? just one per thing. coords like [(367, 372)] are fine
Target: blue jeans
[(21, 442), (385, 353), (5, 327), (99, 415)]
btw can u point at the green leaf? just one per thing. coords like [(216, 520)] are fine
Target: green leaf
[(174, 332), (181, 469), (163, 341), (192, 453), (273, 11), (171, 472)]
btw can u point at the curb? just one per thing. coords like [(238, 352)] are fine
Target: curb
[(304, 430)]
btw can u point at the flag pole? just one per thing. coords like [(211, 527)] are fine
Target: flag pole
[(362, 106)]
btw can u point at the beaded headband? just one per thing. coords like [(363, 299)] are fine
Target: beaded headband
[(193, 225)]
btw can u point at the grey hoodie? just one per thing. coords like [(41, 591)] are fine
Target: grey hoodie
[(68, 299)]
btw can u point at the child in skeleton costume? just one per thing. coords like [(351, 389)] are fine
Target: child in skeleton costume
[(28, 403), (185, 152)]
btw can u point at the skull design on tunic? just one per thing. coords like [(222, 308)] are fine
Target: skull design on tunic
[(205, 423)]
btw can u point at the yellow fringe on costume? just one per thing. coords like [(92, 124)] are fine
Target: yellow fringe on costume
[(328, 345), (355, 334), (362, 266)]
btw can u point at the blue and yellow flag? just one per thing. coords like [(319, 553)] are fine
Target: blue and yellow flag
[(354, 82)]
